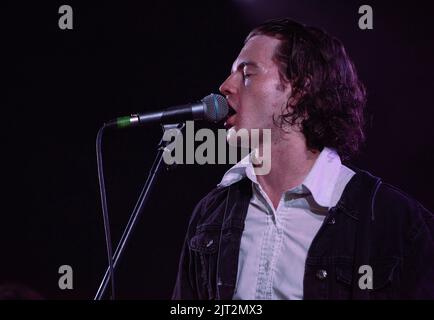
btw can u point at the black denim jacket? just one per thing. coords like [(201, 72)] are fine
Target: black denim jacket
[(372, 224)]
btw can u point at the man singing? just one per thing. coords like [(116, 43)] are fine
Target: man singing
[(312, 228)]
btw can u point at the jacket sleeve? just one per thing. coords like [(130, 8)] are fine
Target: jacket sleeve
[(418, 262), (185, 288), (186, 280)]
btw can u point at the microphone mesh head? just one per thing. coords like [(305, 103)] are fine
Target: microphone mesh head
[(216, 107)]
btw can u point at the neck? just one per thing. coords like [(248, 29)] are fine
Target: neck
[(291, 161)]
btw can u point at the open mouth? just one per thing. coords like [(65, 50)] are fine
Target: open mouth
[(230, 117), (231, 112)]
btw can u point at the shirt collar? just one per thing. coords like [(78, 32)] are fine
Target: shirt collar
[(320, 180), (238, 172)]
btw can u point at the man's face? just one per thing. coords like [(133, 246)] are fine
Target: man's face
[(254, 89)]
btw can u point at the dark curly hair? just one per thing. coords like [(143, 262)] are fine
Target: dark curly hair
[(328, 99)]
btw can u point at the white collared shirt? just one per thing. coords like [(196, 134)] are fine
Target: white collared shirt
[(275, 242)]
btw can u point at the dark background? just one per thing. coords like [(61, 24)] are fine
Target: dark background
[(125, 57)]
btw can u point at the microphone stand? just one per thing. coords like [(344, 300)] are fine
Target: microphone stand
[(138, 209)]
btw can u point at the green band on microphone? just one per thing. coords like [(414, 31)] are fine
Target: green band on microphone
[(123, 122)]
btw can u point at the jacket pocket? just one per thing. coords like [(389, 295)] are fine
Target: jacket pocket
[(384, 278), (205, 241), (204, 247)]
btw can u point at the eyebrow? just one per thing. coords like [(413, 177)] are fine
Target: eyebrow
[(246, 64)]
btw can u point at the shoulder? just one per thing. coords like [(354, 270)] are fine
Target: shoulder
[(389, 205), (212, 199), (394, 205), (395, 197), (209, 209), (381, 192)]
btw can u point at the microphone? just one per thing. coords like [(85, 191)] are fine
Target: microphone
[(213, 108)]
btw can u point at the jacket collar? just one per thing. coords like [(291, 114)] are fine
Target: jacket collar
[(363, 185)]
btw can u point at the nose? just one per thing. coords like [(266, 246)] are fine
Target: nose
[(227, 87)]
